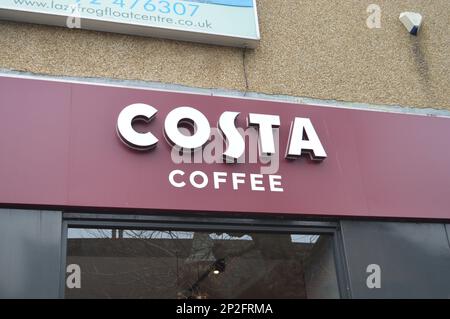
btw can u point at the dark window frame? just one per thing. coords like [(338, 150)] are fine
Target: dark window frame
[(210, 222)]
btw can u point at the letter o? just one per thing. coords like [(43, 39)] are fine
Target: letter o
[(202, 175), (194, 117)]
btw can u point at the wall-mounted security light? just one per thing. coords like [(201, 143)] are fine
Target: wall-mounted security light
[(412, 21)]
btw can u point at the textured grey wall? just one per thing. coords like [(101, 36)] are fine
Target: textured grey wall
[(313, 48), (30, 253)]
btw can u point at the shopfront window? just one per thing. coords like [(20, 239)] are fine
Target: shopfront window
[(131, 263)]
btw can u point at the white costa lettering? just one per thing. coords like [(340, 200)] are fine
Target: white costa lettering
[(303, 139)]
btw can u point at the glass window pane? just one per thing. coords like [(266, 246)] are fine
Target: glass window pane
[(180, 264)]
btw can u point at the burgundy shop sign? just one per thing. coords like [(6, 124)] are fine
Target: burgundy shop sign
[(65, 145)]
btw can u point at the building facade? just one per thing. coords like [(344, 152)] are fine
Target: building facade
[(343, 191)]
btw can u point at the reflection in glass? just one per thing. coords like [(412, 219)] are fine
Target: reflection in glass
[(179, 264)]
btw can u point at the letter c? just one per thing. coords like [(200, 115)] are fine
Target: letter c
[(126, 132), (172, 178)]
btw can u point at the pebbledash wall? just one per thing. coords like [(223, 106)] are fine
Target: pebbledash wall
[(320, 49), (311, 52)]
